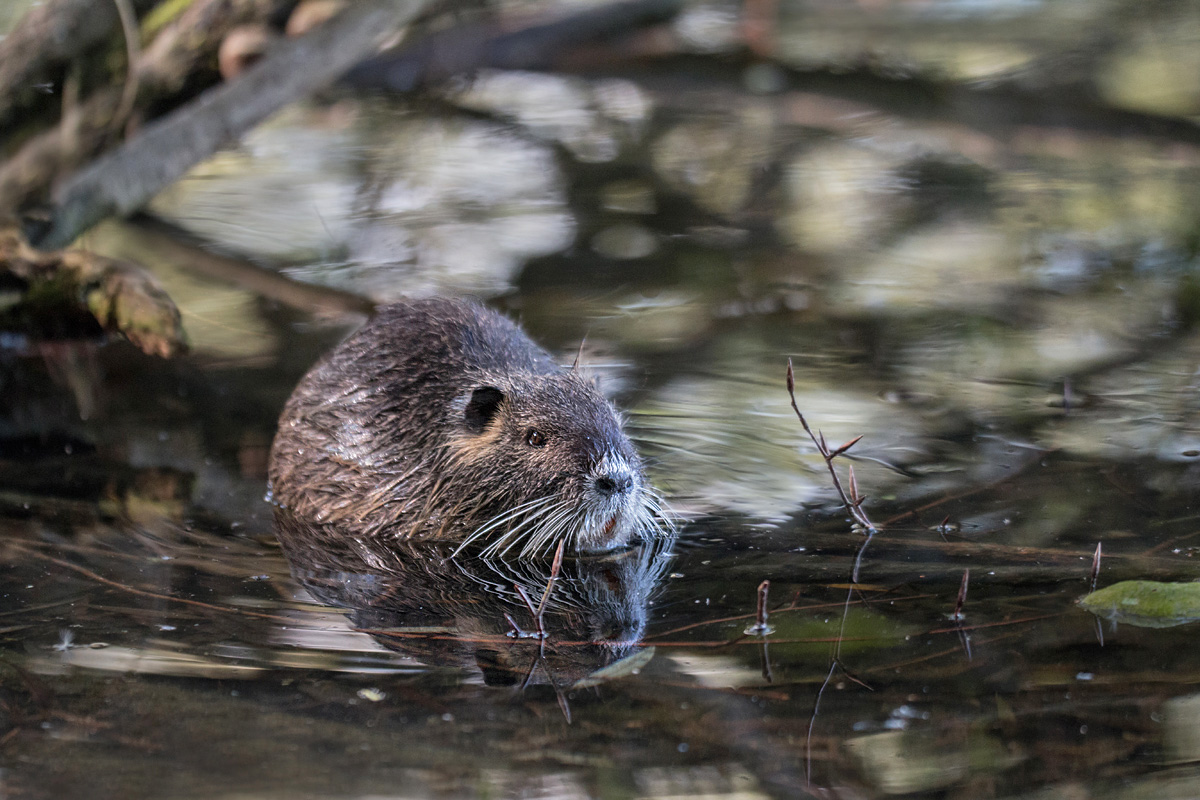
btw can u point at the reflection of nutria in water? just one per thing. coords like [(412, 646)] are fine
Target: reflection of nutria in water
[(441, 419), (451, 612)]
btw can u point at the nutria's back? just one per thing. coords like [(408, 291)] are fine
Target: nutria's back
[(440, 418)]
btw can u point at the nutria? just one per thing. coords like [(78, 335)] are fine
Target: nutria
[(442, 419)]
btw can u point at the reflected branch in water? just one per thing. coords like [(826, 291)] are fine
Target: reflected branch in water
[(186, 250), (538, 613), (812, 722)]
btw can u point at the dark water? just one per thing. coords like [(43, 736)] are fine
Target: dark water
[(1007, 316), (156, 644)]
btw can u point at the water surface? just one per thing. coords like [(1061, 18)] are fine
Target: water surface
[(1005, 316)]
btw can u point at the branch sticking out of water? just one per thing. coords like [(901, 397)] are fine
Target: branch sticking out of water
[(517, 632), (539, 612), (957, 616), (852, 499), (761, 627), (554, 570)]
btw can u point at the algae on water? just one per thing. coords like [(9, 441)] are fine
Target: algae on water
[(1146, 604)]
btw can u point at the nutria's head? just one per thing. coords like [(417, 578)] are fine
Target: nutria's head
[(543, 457)]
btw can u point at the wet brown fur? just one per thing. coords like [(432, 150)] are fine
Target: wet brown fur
[(417, 426)]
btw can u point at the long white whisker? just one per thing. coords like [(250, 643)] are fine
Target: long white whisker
[(541, 537), (512, 536), (495, 522), (530, 509), (658, 515), (516, 533)]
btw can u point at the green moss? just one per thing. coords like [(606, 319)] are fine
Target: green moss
[(1146, 604)]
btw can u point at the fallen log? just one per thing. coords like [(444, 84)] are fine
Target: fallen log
[(124, 180), (182, 48)]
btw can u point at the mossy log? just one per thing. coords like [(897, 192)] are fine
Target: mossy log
[(120, 296)]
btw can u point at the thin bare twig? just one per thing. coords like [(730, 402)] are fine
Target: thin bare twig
[(517, 631), (539, 612), (1096, 564), (761, 627), (578, 354), (761, 616), (540, 632), (852, 500), (554, 569), (962, 596)]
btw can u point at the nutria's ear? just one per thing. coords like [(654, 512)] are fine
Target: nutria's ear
[(482, 407)]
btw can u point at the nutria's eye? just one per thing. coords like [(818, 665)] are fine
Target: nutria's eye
[(535, 438)]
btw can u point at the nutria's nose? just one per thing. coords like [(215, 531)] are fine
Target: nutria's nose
[(616, 482)]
